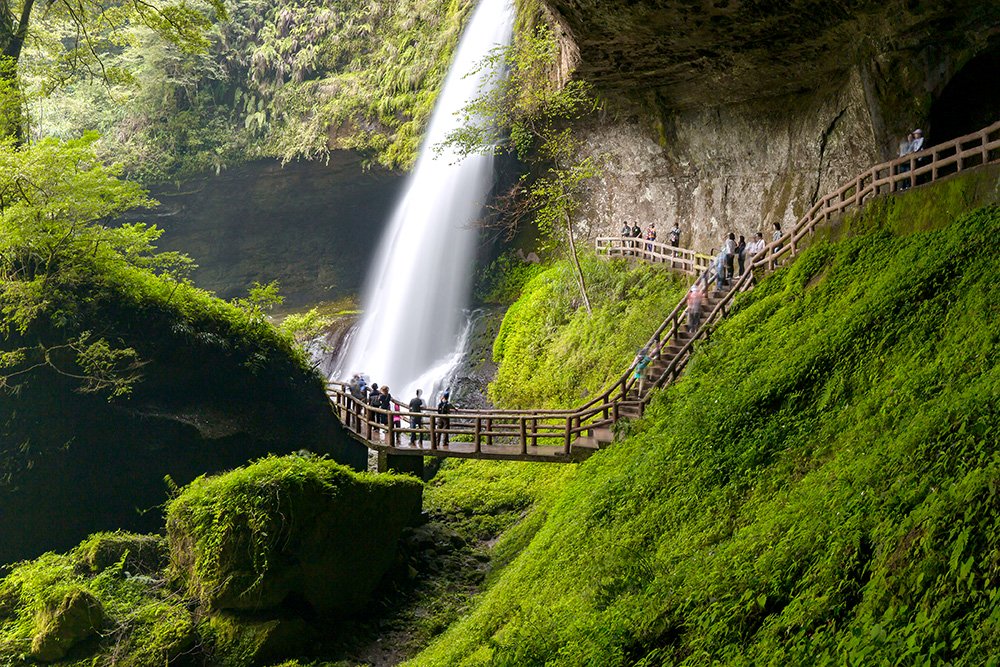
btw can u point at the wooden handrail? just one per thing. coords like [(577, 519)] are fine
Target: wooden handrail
[(680, 259), (515, 434)]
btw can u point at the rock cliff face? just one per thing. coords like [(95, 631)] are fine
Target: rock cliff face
[(312, 226), (731, 115)]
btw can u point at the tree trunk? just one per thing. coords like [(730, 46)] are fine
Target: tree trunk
[(12, 36), (576, 263)]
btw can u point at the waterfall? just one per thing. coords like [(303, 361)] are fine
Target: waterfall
[(414, 323)]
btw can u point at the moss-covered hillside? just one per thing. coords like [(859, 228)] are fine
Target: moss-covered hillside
[(552, 354), (820, 488), (115, 371)]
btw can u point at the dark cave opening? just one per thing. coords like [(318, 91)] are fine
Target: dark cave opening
[(970, 101)]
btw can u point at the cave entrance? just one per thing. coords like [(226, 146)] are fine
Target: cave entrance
[(970, 101)]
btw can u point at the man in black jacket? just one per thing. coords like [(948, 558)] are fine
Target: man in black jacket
[(416, 421)]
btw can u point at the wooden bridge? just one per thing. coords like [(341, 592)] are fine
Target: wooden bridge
[(572, 435)]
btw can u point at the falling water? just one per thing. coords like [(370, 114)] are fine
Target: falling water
[(413, 328)]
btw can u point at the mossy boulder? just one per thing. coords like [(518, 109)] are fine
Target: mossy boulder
[(57, 608), (247, 640), (139, 554), (289, 529), (78, 616)]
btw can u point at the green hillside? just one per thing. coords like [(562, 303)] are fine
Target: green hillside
[(821, 488)]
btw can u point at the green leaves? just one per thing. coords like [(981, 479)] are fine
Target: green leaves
[(55, 197)]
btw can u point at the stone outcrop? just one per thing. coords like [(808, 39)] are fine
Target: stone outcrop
[(318, 535), (731, 115)]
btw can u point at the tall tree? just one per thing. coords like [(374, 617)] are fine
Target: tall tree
[(92, 22), (531, 113)]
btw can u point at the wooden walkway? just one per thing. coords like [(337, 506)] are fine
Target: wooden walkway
[(573, 435)]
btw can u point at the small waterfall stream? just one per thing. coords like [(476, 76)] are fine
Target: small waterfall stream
[(414, 326)]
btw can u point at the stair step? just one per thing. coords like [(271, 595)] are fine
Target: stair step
[(602, 435)]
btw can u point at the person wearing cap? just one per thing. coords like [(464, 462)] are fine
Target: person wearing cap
[(917, 144)]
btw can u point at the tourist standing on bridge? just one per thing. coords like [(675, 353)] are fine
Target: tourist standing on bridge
[(443, 423), (384, 403), (642, 361), (756, 246), (775, 238), (417, 421), (374, 396), (720, 271), (636, 234), (650, 236), (675, 236)]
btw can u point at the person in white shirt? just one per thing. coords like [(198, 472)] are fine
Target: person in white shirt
[(756, 246), (918, 141)]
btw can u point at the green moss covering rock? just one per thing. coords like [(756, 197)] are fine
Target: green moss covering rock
[(57, 608), (289, 528), (552, 354), (241, 640), (138, 554), (78, 616)]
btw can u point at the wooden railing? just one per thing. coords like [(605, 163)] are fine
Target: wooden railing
[(675, 258), (527, 435), (548, 435)]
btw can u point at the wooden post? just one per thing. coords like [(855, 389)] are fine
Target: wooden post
[(433, 426), (523, 422), (534, 431), (368, 423), (489, 431), (389, 433), (479, 430), (568, 435)]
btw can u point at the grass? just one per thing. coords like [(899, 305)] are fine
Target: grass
[(819, 489), (551, 354)]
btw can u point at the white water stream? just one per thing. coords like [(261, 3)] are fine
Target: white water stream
[(413, 330)]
